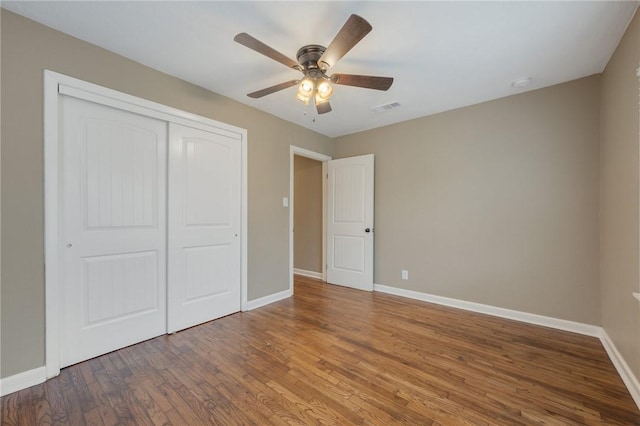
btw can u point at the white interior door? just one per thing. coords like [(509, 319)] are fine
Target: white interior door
[(204, 226), (113, 229), (350, 222)]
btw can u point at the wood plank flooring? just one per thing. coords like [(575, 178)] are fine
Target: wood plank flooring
[(332, 355)]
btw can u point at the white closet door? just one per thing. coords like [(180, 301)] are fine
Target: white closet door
[(204, 226), (113, 228)]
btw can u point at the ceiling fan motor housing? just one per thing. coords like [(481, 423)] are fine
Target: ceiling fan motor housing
[(308, 57)]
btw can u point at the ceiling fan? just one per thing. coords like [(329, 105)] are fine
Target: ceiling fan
[(314, 61)]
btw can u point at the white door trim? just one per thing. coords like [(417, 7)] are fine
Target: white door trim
[(55, 83), (634, 294), (302, 152)]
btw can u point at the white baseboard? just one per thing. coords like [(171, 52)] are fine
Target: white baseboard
[(22, 380), (310, 274), (560, 324), (621, 365), (39, 375), (266, 300), (629, 379)]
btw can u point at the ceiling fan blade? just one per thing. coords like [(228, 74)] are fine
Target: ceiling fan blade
[(255, 44), (323, 108), (351, 33), (366, 81), (272, 89)]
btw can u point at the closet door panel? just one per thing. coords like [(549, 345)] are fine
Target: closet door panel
[(113, 229), (204, 226)]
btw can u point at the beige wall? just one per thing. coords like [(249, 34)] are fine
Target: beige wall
[(27, 49), (307, 220), (495, 203), (619, 197)]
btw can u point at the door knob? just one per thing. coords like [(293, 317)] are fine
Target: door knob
[(367, 230)]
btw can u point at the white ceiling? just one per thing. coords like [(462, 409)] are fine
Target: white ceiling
[(443, 55)]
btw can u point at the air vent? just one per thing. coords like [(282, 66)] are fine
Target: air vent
[(386, 107)]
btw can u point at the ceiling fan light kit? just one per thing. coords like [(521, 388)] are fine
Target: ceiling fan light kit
[(323, 92), (318, 89), (314, 61), (305, 91)]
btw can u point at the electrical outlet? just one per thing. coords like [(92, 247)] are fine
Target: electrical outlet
[(405, 274)]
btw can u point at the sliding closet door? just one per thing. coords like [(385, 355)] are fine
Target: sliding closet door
[(113, 227), (204, 226)]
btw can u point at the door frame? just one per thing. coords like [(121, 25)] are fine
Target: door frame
[(302, 152), (56, 84)]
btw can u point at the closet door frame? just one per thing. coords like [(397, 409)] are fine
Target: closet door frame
[(55, 85)]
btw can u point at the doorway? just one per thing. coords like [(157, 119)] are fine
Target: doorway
[(347, 219), (311, 261), (307, 217)]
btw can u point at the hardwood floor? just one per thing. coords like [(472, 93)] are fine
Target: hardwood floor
[(332, 355)]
